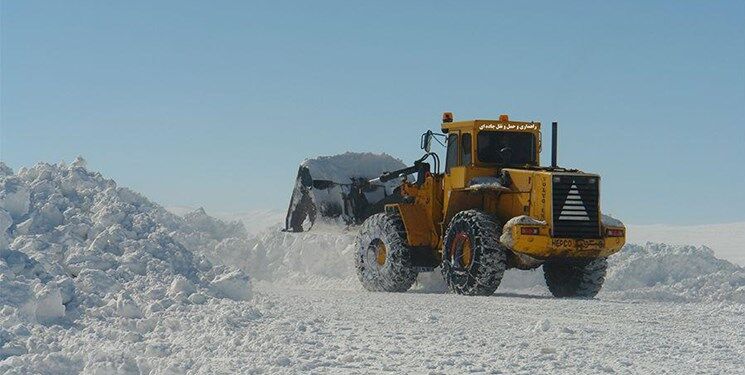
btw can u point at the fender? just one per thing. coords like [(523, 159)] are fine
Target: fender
[(420, 230)]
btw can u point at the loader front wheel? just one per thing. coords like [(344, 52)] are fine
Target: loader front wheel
[(473, 260), (575, 279), (382, 259)]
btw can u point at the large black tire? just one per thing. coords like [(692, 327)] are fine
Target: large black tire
[(382, 259), (480, 270), (575, 279)]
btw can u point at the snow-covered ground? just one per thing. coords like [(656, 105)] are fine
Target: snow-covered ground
[(347, 331), (341, 331), (95, 278)]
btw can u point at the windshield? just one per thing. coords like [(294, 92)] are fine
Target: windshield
[(506, 148)]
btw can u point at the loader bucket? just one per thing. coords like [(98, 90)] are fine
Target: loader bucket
[(337, 189)]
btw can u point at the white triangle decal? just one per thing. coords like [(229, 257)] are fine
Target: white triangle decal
[(577, 215)]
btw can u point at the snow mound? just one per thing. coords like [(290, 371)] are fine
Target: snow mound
[(322, 257), (725, 239), (674, 273), (76, 249), (657, 272)]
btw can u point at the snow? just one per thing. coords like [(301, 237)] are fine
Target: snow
[(76, 251), (256, 221), (486, 183), (234, 285), (610, 221), (14, 195), (49, 304), (674, 273), (727, 240), (322, 258), (340, 168), (95, 278)]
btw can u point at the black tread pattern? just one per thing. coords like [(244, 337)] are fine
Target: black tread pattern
[(397, 274), (575, 279), (485, 273)]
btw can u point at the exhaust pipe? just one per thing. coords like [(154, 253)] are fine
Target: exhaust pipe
[(554, 132)]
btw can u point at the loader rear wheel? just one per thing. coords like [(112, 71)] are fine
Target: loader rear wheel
[(575, 279), (473, 260), (382, 259)]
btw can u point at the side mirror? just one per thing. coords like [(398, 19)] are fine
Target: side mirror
[(426, 142)]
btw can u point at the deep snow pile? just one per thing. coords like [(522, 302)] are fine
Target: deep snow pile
[(323, 258), (320, 258), (76, 249), (674, 273)]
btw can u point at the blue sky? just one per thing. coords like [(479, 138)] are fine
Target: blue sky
[(214, 103)]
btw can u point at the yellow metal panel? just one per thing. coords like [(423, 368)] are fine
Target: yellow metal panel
[(540, 197), (544, 246), (420, 230)]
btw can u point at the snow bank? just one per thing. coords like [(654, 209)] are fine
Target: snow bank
[(674, 273), (320, 258), (727, 240), (77, 250), (657, 272)]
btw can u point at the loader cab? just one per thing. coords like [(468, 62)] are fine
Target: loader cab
[(491, 144)]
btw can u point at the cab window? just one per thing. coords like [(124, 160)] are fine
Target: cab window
[(452, 157), (465, 149), (506, 148)]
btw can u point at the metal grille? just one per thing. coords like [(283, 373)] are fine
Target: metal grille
[(575, 206)]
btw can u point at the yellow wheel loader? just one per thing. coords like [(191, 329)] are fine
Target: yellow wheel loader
[(492, 208)]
